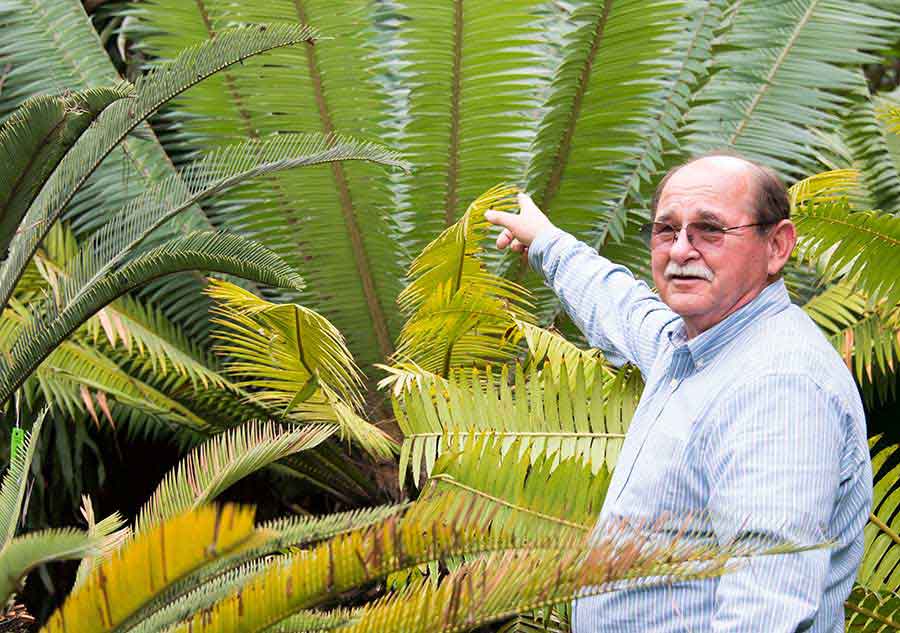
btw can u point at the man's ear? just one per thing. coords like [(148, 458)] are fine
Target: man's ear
[(782, 239)]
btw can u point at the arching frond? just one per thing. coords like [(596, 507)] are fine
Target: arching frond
[(337, 223), (458, 313), (224, 575), (506, 583), (202, 250), (781, 75), (143, 568), (25, 553), (529, 497), (873, 602), (221, 461), (113, 531), (861, 247), (313, 576), (295, 361), (868, 147), (549, 410), (153, 90), (34, 139), (12, 488), (866, 335), (828, 186)]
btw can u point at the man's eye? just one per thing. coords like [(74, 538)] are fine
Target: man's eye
[(706, 227), (663, 229)]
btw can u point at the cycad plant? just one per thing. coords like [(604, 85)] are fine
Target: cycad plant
[(585, 103)]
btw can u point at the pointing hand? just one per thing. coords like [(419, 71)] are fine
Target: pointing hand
[(519, 230)]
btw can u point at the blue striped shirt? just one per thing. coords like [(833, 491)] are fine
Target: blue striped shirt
[(755, 423)]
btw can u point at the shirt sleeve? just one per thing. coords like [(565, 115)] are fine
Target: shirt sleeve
[(616, 312), (774, 459)]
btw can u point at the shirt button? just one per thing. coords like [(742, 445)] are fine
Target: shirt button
[(701, 363), (674, 383)]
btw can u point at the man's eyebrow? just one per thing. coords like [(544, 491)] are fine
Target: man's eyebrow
[(705, 215)]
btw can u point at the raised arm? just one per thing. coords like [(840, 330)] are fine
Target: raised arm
[(616, 312)]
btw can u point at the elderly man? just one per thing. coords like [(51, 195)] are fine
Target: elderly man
[(748, 415)]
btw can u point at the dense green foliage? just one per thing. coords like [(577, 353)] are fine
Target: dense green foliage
[(583, 103)]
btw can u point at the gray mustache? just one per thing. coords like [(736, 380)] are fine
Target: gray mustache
[(692, 269)]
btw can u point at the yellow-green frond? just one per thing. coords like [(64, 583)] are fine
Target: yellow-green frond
[(114, 534), (135, 574), (12, 489), (553, 410), (517, 494), (459, 314), (221, 461), (828, 186)]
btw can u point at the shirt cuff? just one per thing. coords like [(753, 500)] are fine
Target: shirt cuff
[(541, 244)]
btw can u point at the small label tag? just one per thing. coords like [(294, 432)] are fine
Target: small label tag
[(15, 445)]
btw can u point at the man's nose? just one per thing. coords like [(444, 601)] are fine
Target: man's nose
[(682, 249)]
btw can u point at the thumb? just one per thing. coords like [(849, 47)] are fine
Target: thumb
[(502, 218)]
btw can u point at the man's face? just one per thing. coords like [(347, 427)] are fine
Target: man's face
[(716, 190)]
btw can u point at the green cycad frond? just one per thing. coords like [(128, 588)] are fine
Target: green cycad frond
[(113, 531), (152, 90), (865, 138), (506, 489), (220, 462), (593, 139), (228, 167), (554, 351), (285, 349), (458, 313), (862, 247), (12, 488), (296, 362), (343, 230), (545, 408), (204, 250), (869, 611), (148, 337), (866, 335), (477, 71), (311, 577), (828, 186), (873, 602), (141, 570), (506, 583), (878, 571), (33, 141), (25, 553), (891, 116), (781, 74)]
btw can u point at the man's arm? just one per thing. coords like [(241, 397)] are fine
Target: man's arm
[(775, 462), (616, 312)]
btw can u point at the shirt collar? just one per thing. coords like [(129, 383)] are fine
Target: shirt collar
[(703, 347)]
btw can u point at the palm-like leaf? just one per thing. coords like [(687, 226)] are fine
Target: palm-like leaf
[(459, 313), (220, 462), (547, 410), (343, 231), (780, 75), (203, 250), (33, 141), (873, 602), (134, 575), (111, 529), (860, 246), (297, 362), (867, 144), (531, 498), (153, 90), (25, 553), (12, 488)]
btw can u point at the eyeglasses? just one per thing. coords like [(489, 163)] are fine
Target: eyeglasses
[(700, 234)]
